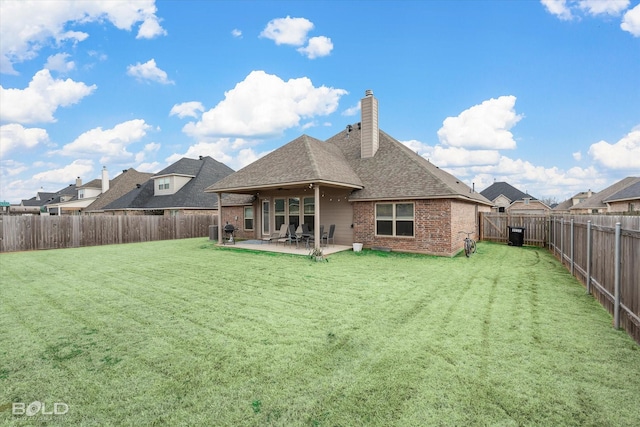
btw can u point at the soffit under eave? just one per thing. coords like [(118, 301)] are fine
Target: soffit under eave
[(289, 186), (377, 199)]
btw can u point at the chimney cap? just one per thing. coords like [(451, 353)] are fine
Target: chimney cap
[(368, 92)]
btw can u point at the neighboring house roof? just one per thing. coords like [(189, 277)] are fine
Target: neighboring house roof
[(205, 171), (496, 189), (45, 198), (631, 192), (118, 187), (395, 172), (94, 183), (581, 196), (303, 160), (40, 200), (597, 201), (564, 205)]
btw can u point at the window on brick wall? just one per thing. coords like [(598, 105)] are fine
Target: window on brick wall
[(395, 219), (248, 217)]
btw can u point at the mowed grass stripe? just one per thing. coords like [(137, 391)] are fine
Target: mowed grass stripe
[(184, 333)]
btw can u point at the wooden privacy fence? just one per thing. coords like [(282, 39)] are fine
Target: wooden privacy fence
[(24, 233), (494, 227), (603, 252)]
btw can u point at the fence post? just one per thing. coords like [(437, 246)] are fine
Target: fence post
[(589, 257), (616, 280), (571, 250), (562, 241)]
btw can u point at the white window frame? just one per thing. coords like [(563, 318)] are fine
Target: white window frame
[(394, 219), (246, 217), (164, 183)]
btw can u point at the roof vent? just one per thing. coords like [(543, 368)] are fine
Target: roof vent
[(138, 185)]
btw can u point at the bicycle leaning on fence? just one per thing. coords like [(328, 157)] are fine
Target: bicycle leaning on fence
[(469, 244)]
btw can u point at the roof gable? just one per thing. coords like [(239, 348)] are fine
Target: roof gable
[(630, 192), (597, 201), (397, 172), (205, 170), (305, 159), (502, 188), (118, 187)]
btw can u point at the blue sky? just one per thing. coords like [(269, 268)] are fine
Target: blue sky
[(544, 95)]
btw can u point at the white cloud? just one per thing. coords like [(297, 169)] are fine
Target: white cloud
[(41, 98), (483, 126), (150, 148), (187, 109), (14, 136), (601, 7), (531, 178), (558, 8), (624, 154), (151, 28), (317, 47), (82, 168), (152, 167), (236, 33), (224, 150), (577, 156), (23, 36), (631, 21), (264, 105), (453, 156), (352, 111), (59, 62), (149, 71), (290, 31), (569, 9), (110, 143)]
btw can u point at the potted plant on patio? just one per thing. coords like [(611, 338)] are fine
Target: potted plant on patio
[(317, 254)]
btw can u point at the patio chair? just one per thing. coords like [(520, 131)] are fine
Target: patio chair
[(278, 237), (294, 235), (329, 237)]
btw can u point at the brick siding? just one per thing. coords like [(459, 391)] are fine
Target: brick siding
[(436, 227)]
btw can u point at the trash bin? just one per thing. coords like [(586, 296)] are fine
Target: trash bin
[(516, 236), (213, 232)]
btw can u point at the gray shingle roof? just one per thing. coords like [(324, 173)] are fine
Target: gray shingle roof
[(394, 172), (118, 187), (493, 191), (205, 171), (94, 183), (630, 192), (305, 159), (597, 200)]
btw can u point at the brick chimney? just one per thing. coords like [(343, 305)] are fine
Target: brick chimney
[(105, 180), (369, 133)]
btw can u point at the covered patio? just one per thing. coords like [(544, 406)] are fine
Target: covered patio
[(284, 248), (306, 182)]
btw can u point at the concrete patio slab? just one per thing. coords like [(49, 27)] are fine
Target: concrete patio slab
[(259, 245)]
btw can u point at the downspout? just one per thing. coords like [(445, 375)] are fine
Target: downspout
[(219, 217), (316, 218)]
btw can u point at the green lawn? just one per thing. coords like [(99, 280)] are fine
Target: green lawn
[(184, 333)]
